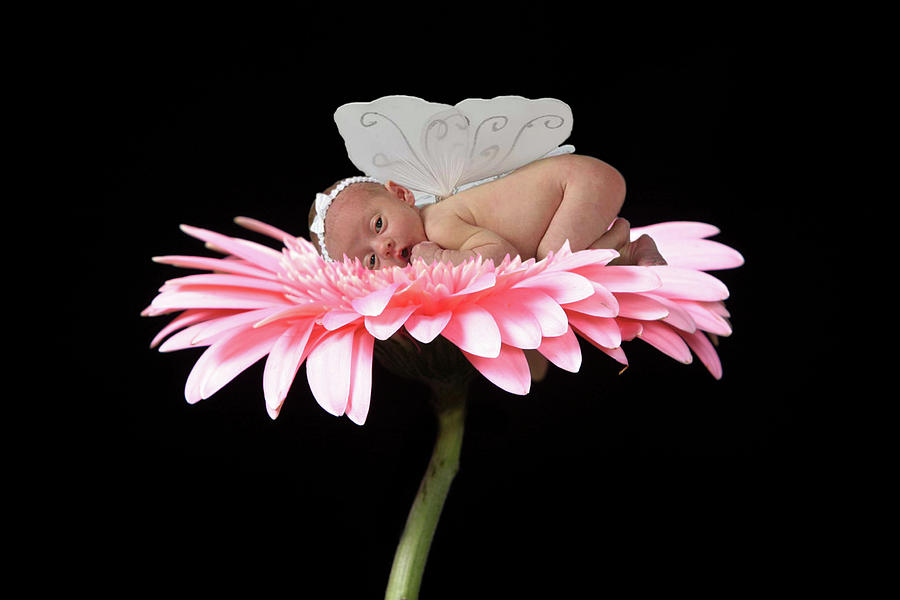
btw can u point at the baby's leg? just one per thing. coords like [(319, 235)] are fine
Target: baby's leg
[(592, 197), (593, 193)]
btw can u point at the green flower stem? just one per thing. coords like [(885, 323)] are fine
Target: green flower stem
[(412, 551)]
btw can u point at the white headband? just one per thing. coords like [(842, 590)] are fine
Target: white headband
[(323, 201)]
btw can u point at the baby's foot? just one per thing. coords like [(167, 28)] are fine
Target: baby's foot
[(641, 252), (644, 253)]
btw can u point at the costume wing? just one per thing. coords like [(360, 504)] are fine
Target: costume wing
[(435, 148), (510, 131)]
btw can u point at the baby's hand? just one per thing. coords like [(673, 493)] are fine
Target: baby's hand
[(427, 251)]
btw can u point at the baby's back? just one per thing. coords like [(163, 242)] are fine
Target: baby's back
[(518, 207)]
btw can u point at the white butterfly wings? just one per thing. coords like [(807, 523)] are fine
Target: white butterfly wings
[(435, 148)]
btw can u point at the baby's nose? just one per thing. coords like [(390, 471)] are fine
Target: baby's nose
[(386, 246)]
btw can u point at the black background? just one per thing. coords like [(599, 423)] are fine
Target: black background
[(660, 477)]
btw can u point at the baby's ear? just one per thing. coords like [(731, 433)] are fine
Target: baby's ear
[(401, 192)]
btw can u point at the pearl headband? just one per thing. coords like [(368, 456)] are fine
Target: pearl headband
[(323, 201)]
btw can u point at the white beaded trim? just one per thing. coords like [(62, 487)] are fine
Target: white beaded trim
[(323, 201)]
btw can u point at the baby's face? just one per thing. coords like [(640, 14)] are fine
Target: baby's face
[(377, 225)]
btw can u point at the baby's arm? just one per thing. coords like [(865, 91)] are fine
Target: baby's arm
[(453, 240)]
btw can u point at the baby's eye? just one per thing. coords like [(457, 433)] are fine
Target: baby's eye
[(378, 225), (371, 261)]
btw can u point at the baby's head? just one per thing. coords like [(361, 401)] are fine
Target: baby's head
[(362, 218)]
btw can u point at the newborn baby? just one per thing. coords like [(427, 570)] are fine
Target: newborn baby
[(529, 212)]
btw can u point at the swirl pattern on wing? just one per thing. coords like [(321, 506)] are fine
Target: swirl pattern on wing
[(434, 148)]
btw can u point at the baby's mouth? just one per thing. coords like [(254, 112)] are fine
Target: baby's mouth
[(404, 254)]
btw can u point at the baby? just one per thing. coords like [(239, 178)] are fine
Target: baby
[(529, 212)]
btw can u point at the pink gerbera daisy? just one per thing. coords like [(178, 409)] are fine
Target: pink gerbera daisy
[(292, 306)]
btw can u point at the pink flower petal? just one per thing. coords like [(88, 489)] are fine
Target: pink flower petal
[(238, 267), (259, 255), (682, 245), (717, 308), (583, 258), (550, 315), (666, 340), (263, 228), (629, 329), (373, 303), (283, 363), (563, 351), (185, 319), (518, 326), (337, 318), (318, 333), (214, 327), (360, 376), (225, 280), (427, 327), (688, 284), (227, 358), (328, 370), (623, 278), (291, 313), (675, 230), (704, 255), (509, 370), (706, 317), (705, 351), (473, 330), (194, 382), (186, 339), (480, 283), (641, 306), (389, 321), (678, 317), (218, 297), (616, 354), (598, 330), (601, 304), (239, 353), (562, 286)]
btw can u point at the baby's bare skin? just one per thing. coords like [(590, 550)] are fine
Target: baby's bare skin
[(532, 212), (529, 212)]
